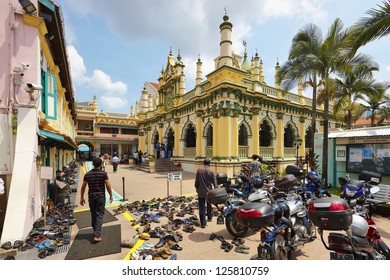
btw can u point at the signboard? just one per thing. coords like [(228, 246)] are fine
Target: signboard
[(177, 176), (46, 172), (341, 153)]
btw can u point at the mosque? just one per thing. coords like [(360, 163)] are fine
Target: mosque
[(228, 116)]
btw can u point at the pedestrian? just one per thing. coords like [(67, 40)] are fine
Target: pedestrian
[(139, 157), (115, 162), (97, 181), (158, 148), (255, 167), (204, 181)]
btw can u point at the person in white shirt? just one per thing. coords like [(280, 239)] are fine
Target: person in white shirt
[(115, 162)]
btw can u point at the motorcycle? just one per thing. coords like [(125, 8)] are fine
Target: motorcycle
[(290, 230), (361, 240)]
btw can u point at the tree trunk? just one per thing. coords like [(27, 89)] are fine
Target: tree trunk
[(325, 140), (313, 113)]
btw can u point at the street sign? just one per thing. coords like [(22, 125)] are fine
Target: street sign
[(174, 176)]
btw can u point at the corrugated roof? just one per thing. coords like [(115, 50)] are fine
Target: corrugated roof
[(362, 132)]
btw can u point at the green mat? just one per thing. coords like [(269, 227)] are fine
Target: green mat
[(83, 247), (83, 218)]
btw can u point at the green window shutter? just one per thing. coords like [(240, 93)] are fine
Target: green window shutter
[(51, 96)]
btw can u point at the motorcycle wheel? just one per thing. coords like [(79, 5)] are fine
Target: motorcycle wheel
[(233, 227), (279, 248), (384, 249)]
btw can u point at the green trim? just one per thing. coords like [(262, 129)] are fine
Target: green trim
[(116, 126), (51, 135), (48, 4)]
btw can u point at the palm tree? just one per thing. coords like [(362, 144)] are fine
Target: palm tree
[(354, 80), (321, 59), (379, 102), (308, 40), (373, 27)]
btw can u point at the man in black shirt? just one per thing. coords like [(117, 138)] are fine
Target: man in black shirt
[(97, 181), (204, 181)]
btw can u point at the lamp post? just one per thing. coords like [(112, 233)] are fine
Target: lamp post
[(298, 142)]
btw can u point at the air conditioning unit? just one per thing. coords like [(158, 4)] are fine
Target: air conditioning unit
[(87, 126)]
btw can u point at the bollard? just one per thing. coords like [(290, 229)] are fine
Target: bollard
[(123, 185)]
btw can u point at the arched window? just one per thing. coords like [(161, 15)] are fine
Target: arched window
[(209, 136), (289, 136), (265, 134), (191, 136), (242, 136), (308, 134), (155, 140)]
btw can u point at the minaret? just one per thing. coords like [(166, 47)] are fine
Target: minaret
[(179, 64), (144, 100), (261, 71), (300, 86), (182, 85), (277, 69), (95, 105), (225, 53), (198, 71), (256, 67), (131, 111), (136, 107)]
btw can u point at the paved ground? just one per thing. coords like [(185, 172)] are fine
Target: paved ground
[(137, 185)]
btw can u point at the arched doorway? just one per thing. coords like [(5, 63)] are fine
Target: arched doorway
[(190, 136), (84, 152)]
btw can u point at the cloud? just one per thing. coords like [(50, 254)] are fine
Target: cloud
[(112, 93), (192, 25)]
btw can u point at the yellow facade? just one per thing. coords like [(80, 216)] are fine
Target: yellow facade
[(246, 115)]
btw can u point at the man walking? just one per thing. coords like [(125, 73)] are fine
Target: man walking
[(115, 162), (204, 180), (98, 182)]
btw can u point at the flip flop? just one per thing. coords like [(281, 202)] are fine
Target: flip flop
[(241, 250), (7, 245), (176, 247)]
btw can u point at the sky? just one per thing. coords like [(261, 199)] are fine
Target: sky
[(115, 46)]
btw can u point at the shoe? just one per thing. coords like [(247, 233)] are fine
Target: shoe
[(212, 236), (97, 239), (202, 226), (210, 219), (7, 245), (176, 247)]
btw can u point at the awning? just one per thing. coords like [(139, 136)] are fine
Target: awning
[(51, 139), (362, 132)]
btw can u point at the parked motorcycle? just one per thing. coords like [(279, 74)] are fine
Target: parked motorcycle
[(361, 239), (290, 230)]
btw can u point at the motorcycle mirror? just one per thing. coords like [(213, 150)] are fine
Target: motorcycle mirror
[(374, 190)]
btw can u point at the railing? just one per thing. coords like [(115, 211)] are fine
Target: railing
[(243, 151), (266, 152), (189, 152), (209, 152), (188, 95), (85, 108), (292, 97), (290, 152), (270, 91), (85, 133)]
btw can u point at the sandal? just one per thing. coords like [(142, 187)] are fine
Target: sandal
[(241, 250), (228, 247)]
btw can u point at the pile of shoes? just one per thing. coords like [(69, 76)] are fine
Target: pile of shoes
[(47, 238), (170, 215)]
